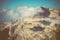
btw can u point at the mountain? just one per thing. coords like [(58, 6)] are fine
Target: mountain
[(41, 26)]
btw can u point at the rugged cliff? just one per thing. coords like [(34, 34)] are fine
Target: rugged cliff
[(41, 26)]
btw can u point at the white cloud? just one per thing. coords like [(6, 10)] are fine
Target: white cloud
[(25, 11), (12, 14), (19, 12)]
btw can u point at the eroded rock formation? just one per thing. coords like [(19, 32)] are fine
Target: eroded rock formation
[(33, 28)]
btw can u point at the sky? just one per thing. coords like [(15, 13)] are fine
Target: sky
[(12, 4), (15, 9)]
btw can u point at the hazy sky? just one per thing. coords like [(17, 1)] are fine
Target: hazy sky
[(12, 4)]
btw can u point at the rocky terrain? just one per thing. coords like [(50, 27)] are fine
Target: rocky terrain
[(41, 26)]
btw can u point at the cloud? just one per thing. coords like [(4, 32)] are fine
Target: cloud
[(2, 15), (19, 12), (12, 14), (26, 11)]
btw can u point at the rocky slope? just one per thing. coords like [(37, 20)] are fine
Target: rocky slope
[(41, 26)]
